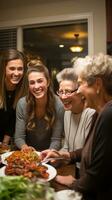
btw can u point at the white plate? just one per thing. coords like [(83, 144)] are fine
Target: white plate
[(4, 156), (7, 154), (51, 170), (68, 195)]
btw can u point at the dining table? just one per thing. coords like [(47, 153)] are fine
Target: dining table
[(63, 169), (63, 192)]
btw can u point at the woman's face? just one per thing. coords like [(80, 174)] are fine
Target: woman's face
[(70, 99), (38, 84), (14, 72), (89, 92)]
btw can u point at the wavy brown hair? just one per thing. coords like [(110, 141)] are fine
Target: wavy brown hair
[(6, 56), (49, 117)]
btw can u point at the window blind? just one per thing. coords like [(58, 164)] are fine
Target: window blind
[(8, 38)]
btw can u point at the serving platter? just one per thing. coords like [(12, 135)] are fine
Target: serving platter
[(51, 171), (4, 156)]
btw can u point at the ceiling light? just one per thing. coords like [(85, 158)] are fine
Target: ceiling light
[(76, 48), (61, 45)]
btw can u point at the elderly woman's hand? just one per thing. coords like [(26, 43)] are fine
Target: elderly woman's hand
[(54, 154), (46, 154), (50, 153), (65, 180)]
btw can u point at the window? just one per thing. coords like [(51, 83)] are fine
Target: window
[(52, 43)]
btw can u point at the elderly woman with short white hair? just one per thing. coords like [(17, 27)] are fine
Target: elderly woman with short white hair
[(95, 83)]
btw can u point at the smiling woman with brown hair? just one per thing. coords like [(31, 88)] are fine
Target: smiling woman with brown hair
[(12, 87), (39, 122)]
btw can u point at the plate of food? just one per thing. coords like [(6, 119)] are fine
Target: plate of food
[(44, 172), (26, 163), (12, 156)]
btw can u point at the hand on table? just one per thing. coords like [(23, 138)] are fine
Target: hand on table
[(65, 180)]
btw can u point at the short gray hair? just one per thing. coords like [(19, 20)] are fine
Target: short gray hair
[(66, 74), (91, 67)]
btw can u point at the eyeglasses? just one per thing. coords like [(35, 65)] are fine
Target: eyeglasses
[(66, 92)]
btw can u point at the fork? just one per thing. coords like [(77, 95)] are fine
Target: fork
[(50, 159)]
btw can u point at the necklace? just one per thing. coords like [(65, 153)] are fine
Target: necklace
[(76, 131)]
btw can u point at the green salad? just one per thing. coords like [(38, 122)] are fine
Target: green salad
[(21, 188)]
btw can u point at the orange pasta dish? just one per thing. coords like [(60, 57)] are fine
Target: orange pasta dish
[(25, 163)]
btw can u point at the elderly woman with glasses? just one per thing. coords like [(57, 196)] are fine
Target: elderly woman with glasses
[(95, 83), (77, 118)]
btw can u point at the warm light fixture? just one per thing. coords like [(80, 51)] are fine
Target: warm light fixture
[(76, 48), (61, 45)]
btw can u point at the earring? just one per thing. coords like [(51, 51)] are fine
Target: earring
[(82, 98), (97, 92)]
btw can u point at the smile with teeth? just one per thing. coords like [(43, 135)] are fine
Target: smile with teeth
[(66, 102), (38, 91), (15, 79)]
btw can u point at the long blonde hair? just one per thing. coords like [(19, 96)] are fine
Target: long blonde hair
[(8, 55), (35, 66)]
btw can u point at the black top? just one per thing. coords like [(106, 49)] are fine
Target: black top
[(8, 116), (96, 165)]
